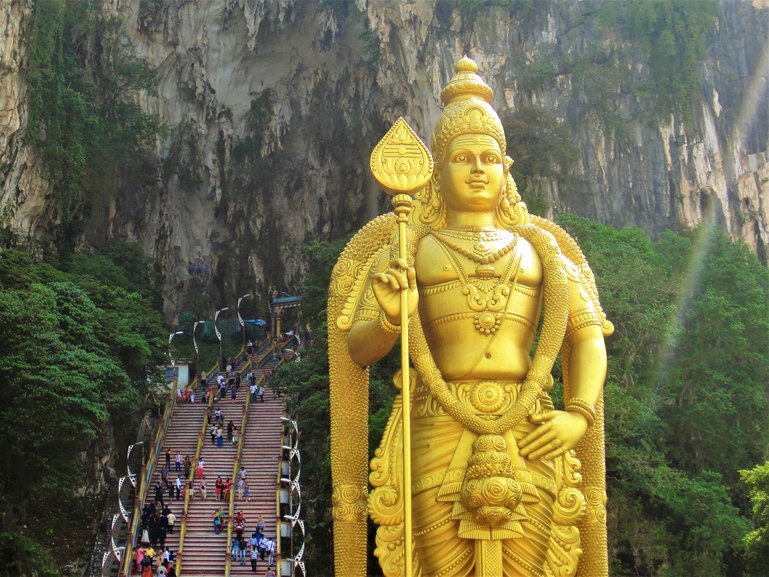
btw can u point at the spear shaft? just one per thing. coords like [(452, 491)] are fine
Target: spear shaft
[(403, 205)]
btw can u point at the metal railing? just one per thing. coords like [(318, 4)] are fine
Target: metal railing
[(236, 464), (233, 488), (146, 477), (191, 488)]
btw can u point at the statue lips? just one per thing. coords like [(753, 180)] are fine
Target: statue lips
[(477, 182)]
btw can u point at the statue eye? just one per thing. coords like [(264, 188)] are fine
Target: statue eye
[(461, 157), (492, 159)]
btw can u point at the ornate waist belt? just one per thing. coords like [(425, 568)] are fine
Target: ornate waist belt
[(489, 399)]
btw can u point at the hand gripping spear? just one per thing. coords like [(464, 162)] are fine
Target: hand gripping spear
[(402, 165)]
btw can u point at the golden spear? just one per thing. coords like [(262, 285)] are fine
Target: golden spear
[(402, 165)]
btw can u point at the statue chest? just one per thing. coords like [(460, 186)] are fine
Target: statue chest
[(438, 263), (464, 300)]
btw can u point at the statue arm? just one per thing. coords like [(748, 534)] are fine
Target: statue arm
[(586, 370), (369, 341), (377, 324), (586, 358), (586, 364)]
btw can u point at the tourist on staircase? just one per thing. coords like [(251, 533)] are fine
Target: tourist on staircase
[(218, 520), (171, 521), (242, 549), (158, 492), (254, 555)]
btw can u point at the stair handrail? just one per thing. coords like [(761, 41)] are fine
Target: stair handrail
[(148, 469), (236, 468), (191, 487), (233, 487), (278, 518)]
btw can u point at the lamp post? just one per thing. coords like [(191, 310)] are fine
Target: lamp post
[(195, 343), (170, 338), (216, 330), (240, 318)]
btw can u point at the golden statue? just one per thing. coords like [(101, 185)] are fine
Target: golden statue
[(501, 482)]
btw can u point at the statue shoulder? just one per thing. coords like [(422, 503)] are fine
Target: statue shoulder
[(351, 271), (577, 269)]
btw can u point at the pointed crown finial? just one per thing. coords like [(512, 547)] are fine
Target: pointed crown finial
[(466, 83)]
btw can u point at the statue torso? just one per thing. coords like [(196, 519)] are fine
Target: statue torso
[(480, 318)]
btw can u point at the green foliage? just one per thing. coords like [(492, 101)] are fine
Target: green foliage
[(80, 115), (669, 35), (20, 556), (260, 113), (371, 49), (757, 541), (685, 393), (74, 359)]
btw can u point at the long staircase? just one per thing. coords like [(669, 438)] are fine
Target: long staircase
[(182, 437), (202, 553), (261, 458)]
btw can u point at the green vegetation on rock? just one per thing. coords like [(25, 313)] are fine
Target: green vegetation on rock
[(81, 116)]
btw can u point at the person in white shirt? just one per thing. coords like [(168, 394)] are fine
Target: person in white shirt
[(269, 545)]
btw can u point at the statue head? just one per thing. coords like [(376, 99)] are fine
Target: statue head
[(468, 112)]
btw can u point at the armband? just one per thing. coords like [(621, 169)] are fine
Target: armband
[(583, 408), (387, 325)]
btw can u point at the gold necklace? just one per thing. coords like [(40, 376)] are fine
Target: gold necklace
[(469, 234), (485, 297), (482, 253)]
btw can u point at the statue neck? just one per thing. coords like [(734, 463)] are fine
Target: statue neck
[(471, 220)]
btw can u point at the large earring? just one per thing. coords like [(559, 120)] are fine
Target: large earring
[(432, 204), (511, 210)]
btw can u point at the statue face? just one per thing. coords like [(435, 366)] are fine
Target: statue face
[(472, 174)]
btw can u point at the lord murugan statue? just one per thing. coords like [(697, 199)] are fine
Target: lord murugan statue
[(495, 479)]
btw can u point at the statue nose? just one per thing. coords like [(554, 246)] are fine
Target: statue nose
[(477, 165)]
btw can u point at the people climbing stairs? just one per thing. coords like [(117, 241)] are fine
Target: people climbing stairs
[(260, 461), (210, 476)]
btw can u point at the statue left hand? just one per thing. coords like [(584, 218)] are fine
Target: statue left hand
[(558, 431)]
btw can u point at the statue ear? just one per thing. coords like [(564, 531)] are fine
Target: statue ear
[(508, 162)]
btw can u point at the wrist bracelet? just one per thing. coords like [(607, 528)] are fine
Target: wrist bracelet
[(388, 326), (583, 408)]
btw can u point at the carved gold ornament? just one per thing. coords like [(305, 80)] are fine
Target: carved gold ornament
[(401, 162)]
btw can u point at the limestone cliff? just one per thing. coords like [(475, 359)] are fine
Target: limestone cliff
[(23, 188), (272, 108)]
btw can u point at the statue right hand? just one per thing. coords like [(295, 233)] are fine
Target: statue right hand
[(387, 287)]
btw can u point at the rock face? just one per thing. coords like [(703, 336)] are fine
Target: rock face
[(273, 106), (23, 188)]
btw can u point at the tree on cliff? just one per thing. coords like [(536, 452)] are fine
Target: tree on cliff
[(77, 345)]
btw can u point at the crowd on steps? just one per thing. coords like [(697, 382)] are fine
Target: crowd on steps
[(179, 473)]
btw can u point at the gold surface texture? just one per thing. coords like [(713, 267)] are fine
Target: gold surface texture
[(499, 481)]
